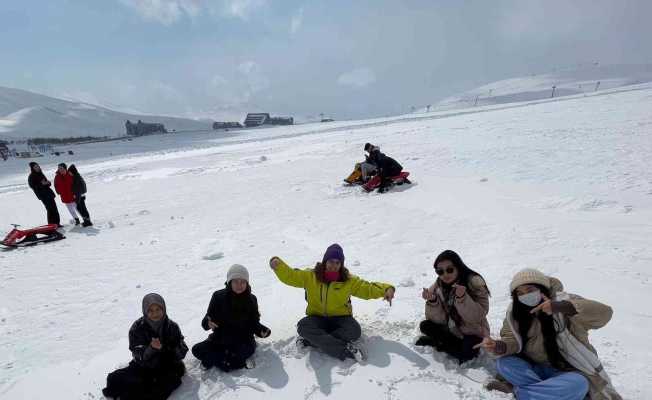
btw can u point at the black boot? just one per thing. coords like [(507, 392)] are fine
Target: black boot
[(87, 222), (76, 221)]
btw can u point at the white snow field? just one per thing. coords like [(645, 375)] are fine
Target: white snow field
[(563, 185)]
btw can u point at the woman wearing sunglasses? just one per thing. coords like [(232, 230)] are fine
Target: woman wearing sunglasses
[(456, 309)]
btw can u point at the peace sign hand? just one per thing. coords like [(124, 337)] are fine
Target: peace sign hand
[(545, 306), (488, 344)]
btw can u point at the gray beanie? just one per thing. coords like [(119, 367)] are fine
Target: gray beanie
[(529, 276), (153, 298), (237, 271)]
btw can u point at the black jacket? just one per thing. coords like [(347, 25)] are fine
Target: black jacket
[(237, 317), (78, 186), (42, 191), (140, 336), (385, 163)]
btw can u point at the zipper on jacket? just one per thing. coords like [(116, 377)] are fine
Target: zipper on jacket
[(326, 300)]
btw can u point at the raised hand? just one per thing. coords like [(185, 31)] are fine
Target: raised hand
[(428, 295), (488, 344), (545, 306), (389, 295), (156, 343), (460, 290), (273, 263)]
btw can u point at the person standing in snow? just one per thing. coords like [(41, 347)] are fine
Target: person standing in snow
[(41, 187), (63, 186), (544, 344), (456, 309), (79, 191), (234, 319), (158, 349), (329, 324)]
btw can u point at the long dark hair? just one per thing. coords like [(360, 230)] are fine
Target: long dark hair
[(73, 169), (464, 275), (522, 316), (320, 270)]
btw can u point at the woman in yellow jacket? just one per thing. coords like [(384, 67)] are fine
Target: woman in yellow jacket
[(329, 324)]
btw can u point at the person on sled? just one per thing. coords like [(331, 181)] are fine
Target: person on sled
[(363, 171), (387, 168)]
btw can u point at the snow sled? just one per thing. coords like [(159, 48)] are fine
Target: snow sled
[(30, 237), (399, 179)]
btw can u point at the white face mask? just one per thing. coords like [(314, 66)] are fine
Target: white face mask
[(530, 299)]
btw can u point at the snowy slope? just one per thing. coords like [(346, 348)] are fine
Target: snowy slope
[(564, 186), (568, 81), (25, 114)]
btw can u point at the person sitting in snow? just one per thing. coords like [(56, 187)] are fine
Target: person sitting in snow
[(329, 324), (387, 168), (79, 193), (363, 171), (158, 349), (234, 319), (456, 309), (63, 186), (544, 344), (41, 187)]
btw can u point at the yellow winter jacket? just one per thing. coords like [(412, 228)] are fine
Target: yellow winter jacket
[(329, 299)]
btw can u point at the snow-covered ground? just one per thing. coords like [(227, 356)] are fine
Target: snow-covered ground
[(564, 186), (578, 80)]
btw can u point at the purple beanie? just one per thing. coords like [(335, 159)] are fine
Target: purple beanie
[(334, 252)]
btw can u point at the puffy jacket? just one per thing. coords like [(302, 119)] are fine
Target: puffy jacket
[(78, 186), (42, 191), (472, 308), (235, 325), (572, 339), (329, 299), (63, 186), (173, 346)]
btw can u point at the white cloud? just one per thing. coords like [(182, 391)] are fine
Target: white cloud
[(165, 11), (218, 80), (297, 21), (359, 78), (168, 12)]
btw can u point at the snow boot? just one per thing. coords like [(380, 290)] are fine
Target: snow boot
[(87, 222), (356, 352), (425, 341), (76, 221), (500, 386)]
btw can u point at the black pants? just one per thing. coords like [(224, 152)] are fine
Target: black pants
[(386, 175), (227, 358), (81, 207), (53, 212), (139, 383), (330, 334), (445, 341)]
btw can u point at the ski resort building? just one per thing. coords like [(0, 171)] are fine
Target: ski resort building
[(143, 128), (259, 119)]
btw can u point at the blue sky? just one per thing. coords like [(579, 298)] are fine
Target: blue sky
[(346, 59)]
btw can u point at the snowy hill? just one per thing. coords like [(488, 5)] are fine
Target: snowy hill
[(563, 185), (568, 81), (25, 115)]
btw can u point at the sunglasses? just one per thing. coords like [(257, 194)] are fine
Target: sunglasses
[(448, 270)]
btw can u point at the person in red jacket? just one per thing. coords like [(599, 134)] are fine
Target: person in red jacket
[(63, 186)]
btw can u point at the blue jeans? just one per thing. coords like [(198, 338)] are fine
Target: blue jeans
[(541, 382)]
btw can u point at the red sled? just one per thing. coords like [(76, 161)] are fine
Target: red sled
[(30, 237), (396, 180)]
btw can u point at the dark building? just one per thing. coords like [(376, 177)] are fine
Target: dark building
[(259, 119), (143, 128), (226, 125), (4, 150)]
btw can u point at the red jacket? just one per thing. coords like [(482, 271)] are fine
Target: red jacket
[(63, 186)]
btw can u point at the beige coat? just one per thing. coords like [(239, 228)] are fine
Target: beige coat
[(472, 309), (572, 339)]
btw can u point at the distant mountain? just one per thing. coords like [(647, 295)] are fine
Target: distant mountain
[(25, 115), (568, 81)]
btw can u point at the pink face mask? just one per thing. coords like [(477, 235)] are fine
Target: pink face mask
[(331, 276)]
